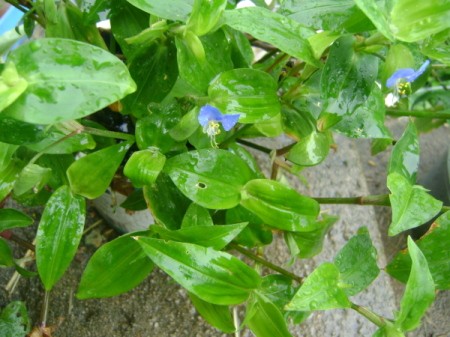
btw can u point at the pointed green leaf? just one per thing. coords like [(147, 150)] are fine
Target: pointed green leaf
[(91, 175), (6, 256), (276, 29), (405, 155), (186, 126), (434, 246), (377, 15), (176, 10), (280, 206), (264, 319), (12, 218), (248, 92), (411, 205), (59, 234), (357, 263), (18, 132), (213, 276), (196, 215), (8, 175), (67, 79), (33, 177), (14, 321), (205, 16), (116, 267), (310, 150), (320, 291), (412, 21), (216, 237), (144, 166), (212, 178), (218, 316), (419, 292)]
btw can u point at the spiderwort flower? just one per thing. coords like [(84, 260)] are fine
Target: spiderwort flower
[(401, 81), (210, 119)]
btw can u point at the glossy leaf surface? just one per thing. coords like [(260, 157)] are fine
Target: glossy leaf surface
[(6, 256), (248, 92), (212, 178), (12, 218), (320, 291), (196, 215), (419, 292), (411, 204), (377, 15), (8, 175), (310, 150), (357, 263), (91, 175), (144, 166), (12, 85), (219, 316), (213, 276), (216, 237), (434, 246), (276, 29), (280, 206), (33, 177), (59, 234), (116, 267), (18, 132), (205, 16), (67, 79), (177, 10)]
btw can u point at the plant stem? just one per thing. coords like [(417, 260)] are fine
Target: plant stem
[(376, 200), (44, 151), (370, 315), (45, 309), (264, 262), (108, 134), (8, 235), (442, 114), (254, 146)]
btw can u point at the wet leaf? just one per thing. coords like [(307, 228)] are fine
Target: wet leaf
[(116, 267), (12, 218), (12, 85), (212, 178), (18, 132), (91, 175), (215, 277), (176, 10), (33, 177), (377, 15), (320, 291), (144, 166), (219, 316), (59, 234), (205, 16), (196, 215), (310, 150), (280, 206)]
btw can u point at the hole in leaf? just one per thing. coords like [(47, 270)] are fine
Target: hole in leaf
[(201, 185)]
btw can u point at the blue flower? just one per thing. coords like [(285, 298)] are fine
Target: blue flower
[(210, 119), (406, 75)]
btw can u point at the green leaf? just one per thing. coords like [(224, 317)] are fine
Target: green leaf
[(12, 218), (212, 178), (67, 79), (310, 150), (153, 129), (419, 292), (216, 237), (91, 175), (326, 15), (213, 276), (412, 21), (135, 201), (14, 321), (116, 267), (411, 205), (6, 255), (176, 10), (144, 166), (12, 85), (280, 206), (308, 244), (218, 316), (320, 291), (19, 133), (357, 263), (347, 77), (205, 16), (388, 331), (59, 234), (377, 15), (186, 126), (276, 29), (155, 71), (438, 48), (405, 155), (199, 72), (166, 202), (264, 319), (367, 120), (248, 92), (6, 154), (196, 215), (434, 246), (33, 177), (244, 154), (8, 175)]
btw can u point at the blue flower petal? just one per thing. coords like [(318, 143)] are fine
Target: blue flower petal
[(228, 121), (407, 74), (209, 113)]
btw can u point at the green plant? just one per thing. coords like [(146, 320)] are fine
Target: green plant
[(182, 76)]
